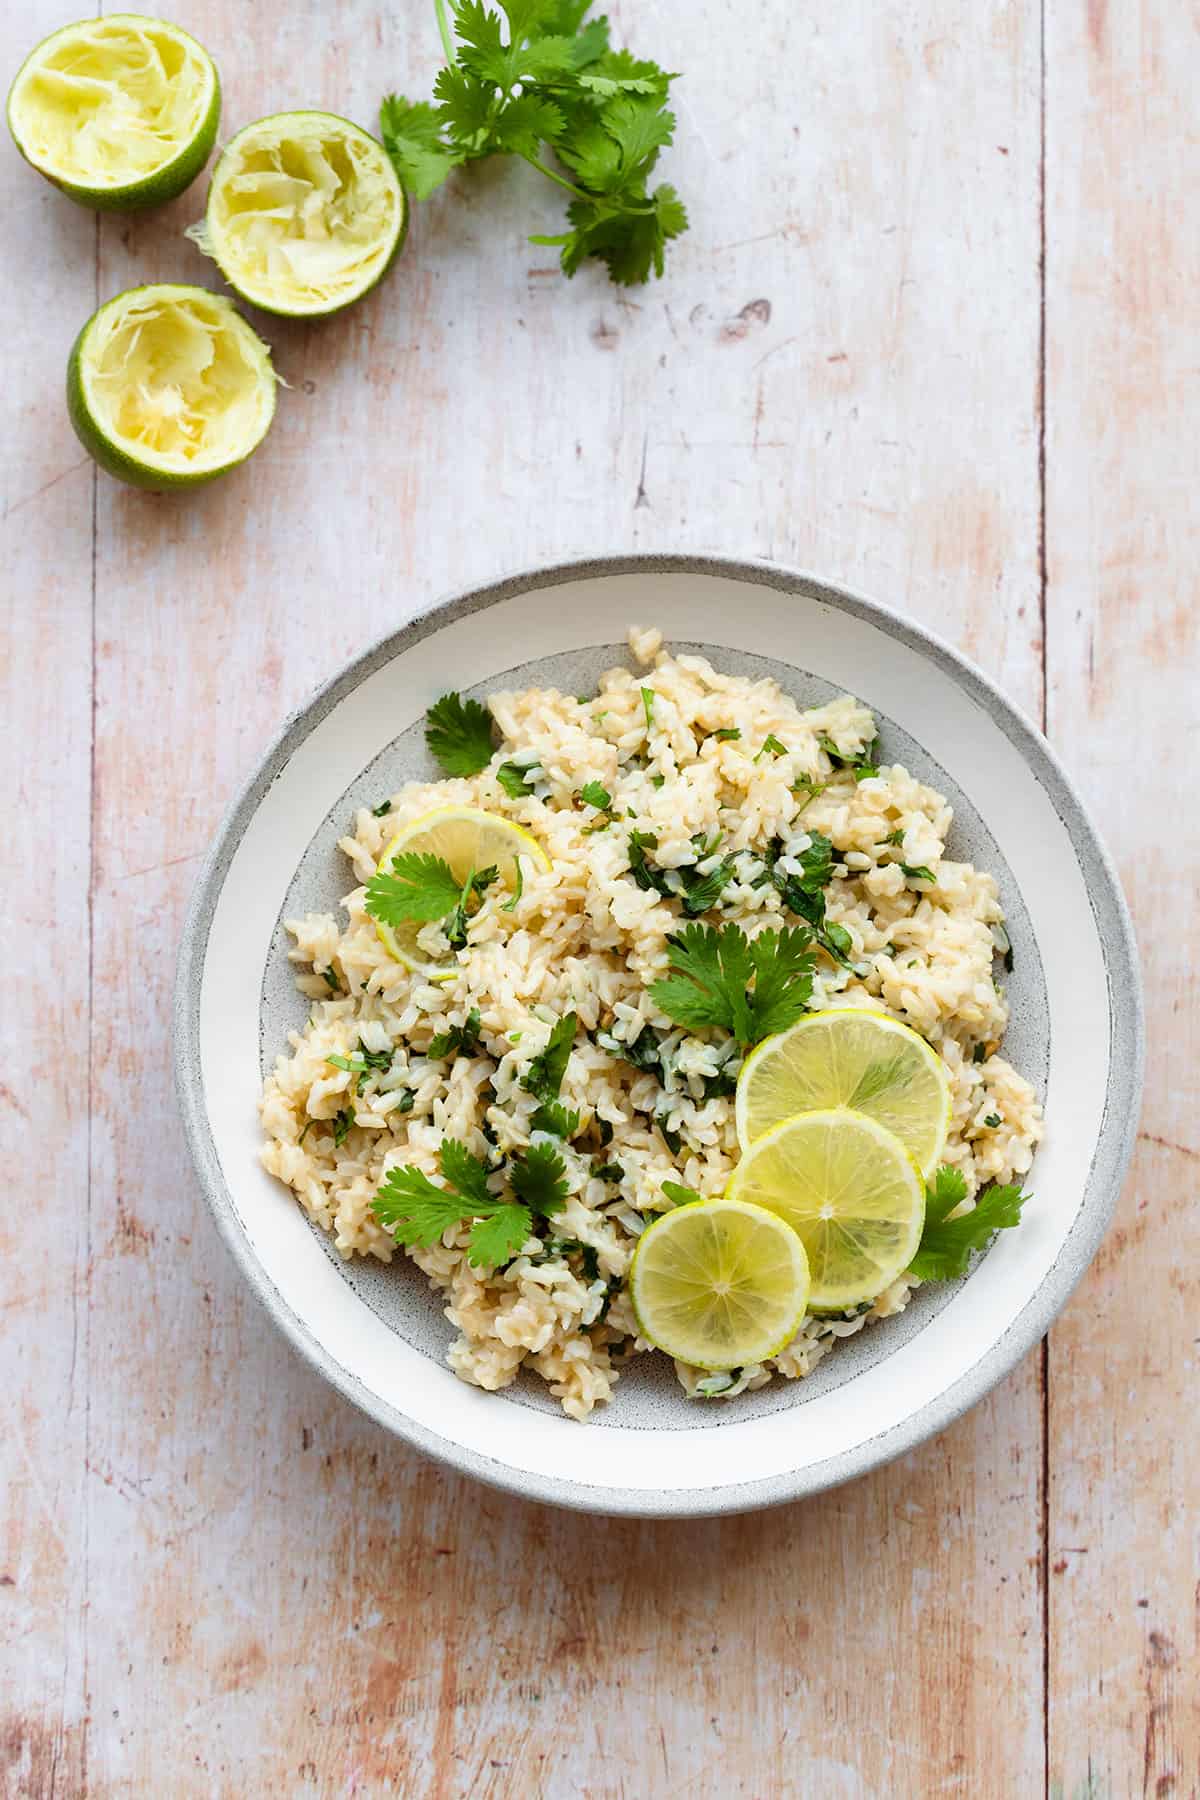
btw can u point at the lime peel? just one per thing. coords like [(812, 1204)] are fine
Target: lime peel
[(168, 386), (119, 113), (305, 214)]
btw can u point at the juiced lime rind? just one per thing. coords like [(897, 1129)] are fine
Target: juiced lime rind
[(102, 448), (162, 184), (209, 238)]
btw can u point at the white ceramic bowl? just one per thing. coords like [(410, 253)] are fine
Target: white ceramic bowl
[(378, 1333)]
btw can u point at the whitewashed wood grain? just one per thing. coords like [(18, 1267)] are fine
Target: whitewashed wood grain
[(1123, 532), (258, 1592)]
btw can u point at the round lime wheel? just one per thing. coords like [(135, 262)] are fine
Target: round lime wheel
[(120, 113), (851, 1192), (849, 1056), (719, 1284), (168, 386), (469, 839), (305, 214)]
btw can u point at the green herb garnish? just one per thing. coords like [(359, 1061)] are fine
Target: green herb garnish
[(862, 763), (750, 987), (727, 734), (648, 698), (459, 1040), (459, 734), (381, 811), (680, 1195), (342, 1121), (558, 1120), (554, 82), (946, 1244), (417, 1211), (805, 894), (593, 793), (771, 746), (993, 1121), (544, 1076), (920, 873), (515, 781)]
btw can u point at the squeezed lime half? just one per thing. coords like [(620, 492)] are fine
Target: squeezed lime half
[(168, 386), (305, 214), (120, 113)]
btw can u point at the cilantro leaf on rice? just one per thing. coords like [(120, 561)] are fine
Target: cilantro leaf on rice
[(544, 1076), (459, 734)]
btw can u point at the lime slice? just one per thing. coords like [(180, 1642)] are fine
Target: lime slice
[(469, 839), (168, 386), (719, 1283), (305, 214), (119, 113), (851, 1192), (849, 1057)]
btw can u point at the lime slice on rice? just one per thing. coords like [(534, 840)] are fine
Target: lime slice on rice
[(848, 1056), (719, 1283), (850, 1191), (305, 214), (119, 113), (168, 386), (469, 839)]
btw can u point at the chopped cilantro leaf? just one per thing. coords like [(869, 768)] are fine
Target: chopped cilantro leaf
[(946, 1243), (555, 1118), (514, 780), (648, 697), (593, 793), (750, 987), (415, 888), (342, 1122), (459, 1040), (771, 746), (979, 1053), (459, 734), (380, 811), (680, 1195), (539, 1176), (607, 1172), (920, 873), (862, 763), (331, 980), (727, 734), (993, 1121), (544, 1076)]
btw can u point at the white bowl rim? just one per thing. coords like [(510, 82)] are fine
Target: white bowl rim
[(1110, 1158)]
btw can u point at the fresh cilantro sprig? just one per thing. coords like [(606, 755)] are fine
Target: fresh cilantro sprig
[(515, 780), (417, 888), (752, 987), (545, 75), (417, 1211), (459, 734), (946, 1244)]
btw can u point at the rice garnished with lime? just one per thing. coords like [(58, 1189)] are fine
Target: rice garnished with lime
[(501, 1084)]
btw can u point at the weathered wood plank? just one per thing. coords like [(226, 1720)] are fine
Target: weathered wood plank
[(840, 371), (46, 487), (1123, 530)]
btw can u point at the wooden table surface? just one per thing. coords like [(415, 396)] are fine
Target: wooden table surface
[(934, 333)]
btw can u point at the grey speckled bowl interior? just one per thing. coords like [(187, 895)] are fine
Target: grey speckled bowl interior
[(791, 628)]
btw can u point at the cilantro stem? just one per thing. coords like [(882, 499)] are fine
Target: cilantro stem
[(444, 28), (541, 168)]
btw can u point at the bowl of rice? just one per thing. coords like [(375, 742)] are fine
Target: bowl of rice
[(435, 1125)]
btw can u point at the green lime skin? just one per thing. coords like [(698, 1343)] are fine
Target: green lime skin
[(109, 455), (262, 303), (157, 188)]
